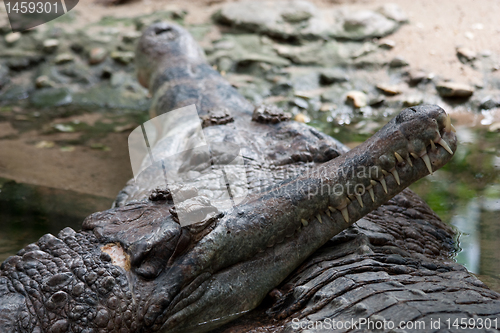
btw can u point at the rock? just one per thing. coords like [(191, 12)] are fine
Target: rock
[(361, 24), (358, 99), (50, 97), (269, 17), (50, 45), (389, 90), (413, 100), (329, 76), (486, 53), (43, 81), (494, 127), (299, 19), (12, 38), (452, 89), (123, 57), (489, 103), (325, 107), (393, 12), (416, 76), (118, 79), (64, 128), (243, 50), (398, 62), (4, 75), (387, 44), (294, 15), (302, 118), (465, 54), (97, 55), (324, 54), (78, 72), (131, 36), (64, 58), (45, 144), (300, 102)]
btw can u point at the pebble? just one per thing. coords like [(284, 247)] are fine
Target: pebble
[(50, 45), (302, 118), (494, 127), (358, 99), (387, 44), (12, 37), (398, 62), (393, 12), (45, 144), (389, 90), (325, 107), (489, 103), (122, 57), (413, 100), (329, 76), (469, 35), (131, 36), (453, 89), (416, 76), (486, 53), (300, 102), (64, 58), (465, 54), (43, 81), (63, 128), (97, 55)]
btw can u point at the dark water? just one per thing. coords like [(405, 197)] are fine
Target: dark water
[(28, 212), (465, 194)]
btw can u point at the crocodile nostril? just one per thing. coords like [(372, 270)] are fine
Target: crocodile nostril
[(162, 30)]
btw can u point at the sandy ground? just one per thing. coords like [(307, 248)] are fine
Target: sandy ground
[(427, 42)]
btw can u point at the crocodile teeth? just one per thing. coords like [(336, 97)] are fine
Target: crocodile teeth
[(327, 212), (447, 124), (398, 157), (384, 185), (372, 195), (385, 173), (396, 176), (444, 145), (304, 222), (360, 200), (345, 214), (448, 127), (409, 161), (415, 156), (319, 218), (427, 162), (331, 209), (433, 146)]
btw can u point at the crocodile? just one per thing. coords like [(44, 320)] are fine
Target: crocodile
[(290, 252)]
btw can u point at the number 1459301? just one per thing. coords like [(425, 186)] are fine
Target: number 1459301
[(32, 7)]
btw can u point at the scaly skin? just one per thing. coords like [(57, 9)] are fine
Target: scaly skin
[(135, 269)]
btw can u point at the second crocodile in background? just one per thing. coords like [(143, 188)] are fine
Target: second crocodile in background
[(134, 268)]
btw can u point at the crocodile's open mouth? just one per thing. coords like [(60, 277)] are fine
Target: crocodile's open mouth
[(272, 232)]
